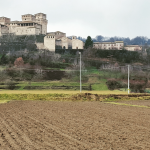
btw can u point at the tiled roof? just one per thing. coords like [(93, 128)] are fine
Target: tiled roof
[(133, 46), (108, 42)]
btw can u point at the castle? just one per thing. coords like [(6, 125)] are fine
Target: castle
[(37, 24), (30, 25)]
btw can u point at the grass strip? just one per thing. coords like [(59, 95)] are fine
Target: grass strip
[(127, 104), (32, 96), (4, 101)]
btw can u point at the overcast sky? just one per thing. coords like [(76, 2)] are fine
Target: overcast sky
[(124, 18)]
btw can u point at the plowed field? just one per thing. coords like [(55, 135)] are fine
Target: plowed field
[(44, 125)]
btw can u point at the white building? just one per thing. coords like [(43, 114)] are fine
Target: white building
[(109, 45), (133, 48)]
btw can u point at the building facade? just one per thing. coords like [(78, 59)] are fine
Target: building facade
[(133, 48), (30, 25), (58, 40), (119, 45)]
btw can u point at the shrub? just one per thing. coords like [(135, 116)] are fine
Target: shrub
[(113, 84), (10, 84), (19, 62), (138, 86)]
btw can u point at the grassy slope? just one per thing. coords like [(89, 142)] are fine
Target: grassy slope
[(95, 77)]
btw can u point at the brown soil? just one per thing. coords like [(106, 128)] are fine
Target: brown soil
[(137, 102), (43, 125)]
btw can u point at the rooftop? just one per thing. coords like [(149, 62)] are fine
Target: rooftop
[(27, 15), (108, 42), (40, 13), (23, 22), (133, 46), (4, 17)]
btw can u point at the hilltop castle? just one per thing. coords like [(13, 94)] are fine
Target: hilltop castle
[(30, 25), (35, 25)]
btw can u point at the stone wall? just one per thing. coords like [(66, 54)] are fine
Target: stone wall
[(40, 45), (3, 30)]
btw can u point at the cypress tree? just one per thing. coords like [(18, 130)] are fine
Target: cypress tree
[(88, 42)]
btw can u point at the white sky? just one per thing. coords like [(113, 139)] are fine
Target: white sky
[(124, 18)]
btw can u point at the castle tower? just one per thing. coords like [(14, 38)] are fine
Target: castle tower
[(49, 42), (28, 17), (41, 19), (4, 20)]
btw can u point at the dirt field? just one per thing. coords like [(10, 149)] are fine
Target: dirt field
[(44, 125), (137, 102)]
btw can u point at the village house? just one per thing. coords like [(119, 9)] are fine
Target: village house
[(133, 48), (109, 45)]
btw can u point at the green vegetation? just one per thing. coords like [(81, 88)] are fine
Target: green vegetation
[(100, 86), (75, 97), (53, 83), (88, 42), (32, 96), (122, 56), (42, 65), (4, 101)]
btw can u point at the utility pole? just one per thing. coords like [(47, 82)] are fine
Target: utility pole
[(128, 81), (80, 73)]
